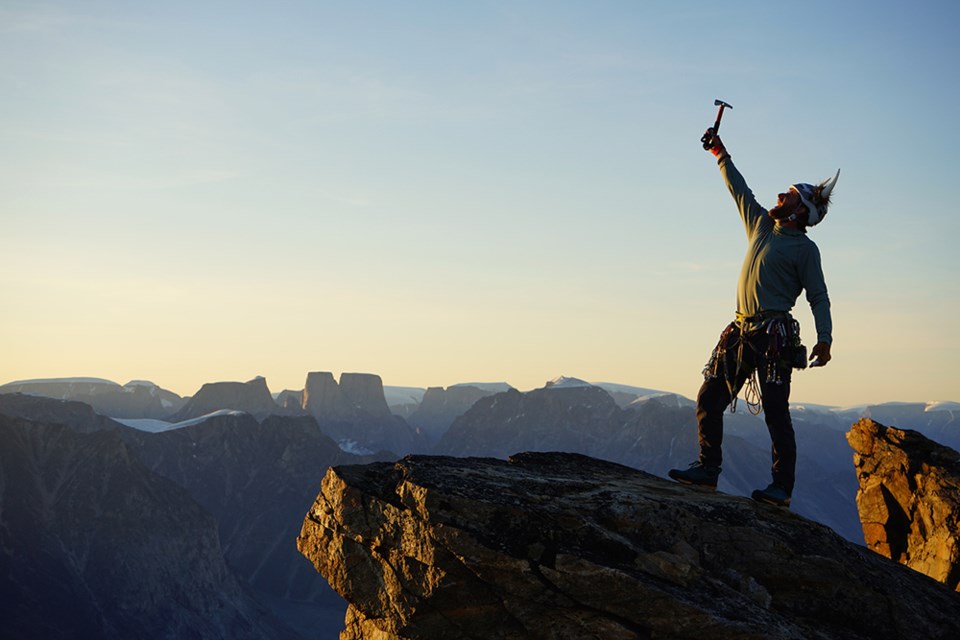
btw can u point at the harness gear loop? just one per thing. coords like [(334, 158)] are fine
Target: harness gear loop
[(752, 395), (783, 342)]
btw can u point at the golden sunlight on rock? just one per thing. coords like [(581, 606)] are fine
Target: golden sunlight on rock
[(909, 498), (557, 545)]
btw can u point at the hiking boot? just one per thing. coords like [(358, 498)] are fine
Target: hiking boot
[(702, 475), (773, 494)]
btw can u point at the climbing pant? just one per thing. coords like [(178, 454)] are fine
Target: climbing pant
[(738, 354)]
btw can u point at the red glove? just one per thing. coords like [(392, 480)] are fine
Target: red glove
[(718, 150)]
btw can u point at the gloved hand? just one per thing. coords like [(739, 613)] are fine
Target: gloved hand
[(718, 150), (820, 354)]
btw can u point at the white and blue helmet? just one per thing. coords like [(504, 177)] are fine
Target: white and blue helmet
[(816, 198)]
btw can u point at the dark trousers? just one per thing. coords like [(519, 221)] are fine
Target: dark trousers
[(716, 393)]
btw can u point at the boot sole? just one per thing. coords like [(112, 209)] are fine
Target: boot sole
[(697, 485), (775, 503)]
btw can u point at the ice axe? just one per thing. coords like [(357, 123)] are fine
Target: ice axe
[(707, 138)]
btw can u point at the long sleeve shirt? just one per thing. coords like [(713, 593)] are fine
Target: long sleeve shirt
[(780, 262)]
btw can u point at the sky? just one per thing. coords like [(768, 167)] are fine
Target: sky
[(444, 192)]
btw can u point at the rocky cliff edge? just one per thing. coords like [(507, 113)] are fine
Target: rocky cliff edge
[(909, 498), (552, 545)]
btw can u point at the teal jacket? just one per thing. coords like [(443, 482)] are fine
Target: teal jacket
[(780, 262)]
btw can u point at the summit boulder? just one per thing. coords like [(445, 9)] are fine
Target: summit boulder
[(555, 545)]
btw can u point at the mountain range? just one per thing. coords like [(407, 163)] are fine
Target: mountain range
[(95, 545), (229, 473)]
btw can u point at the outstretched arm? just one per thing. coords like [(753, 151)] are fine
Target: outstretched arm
[(751, 212)]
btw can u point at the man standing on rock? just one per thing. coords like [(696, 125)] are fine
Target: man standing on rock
[(764, 340)]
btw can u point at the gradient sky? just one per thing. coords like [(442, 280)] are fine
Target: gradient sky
[(443, 192)]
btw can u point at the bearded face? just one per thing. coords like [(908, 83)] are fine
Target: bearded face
[(788, 204)]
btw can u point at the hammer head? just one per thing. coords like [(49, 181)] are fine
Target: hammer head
[(707, 138)]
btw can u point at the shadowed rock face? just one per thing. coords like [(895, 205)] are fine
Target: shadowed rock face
[(355, 411), (256, 479), (554, 545), (93, 545), (321, 395), (909, 498), (78, 415), (291, 401), (357, 395), (252, 397), (136, 399), (364, 392), (440, 407)]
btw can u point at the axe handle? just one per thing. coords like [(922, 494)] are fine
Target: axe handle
[(716, 125), (708, 137)]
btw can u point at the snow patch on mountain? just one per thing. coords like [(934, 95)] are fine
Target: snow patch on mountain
[(142, 383), (641, 392), (490, 387), (158, 426), (79, 380), (352, 446), (567, 382)]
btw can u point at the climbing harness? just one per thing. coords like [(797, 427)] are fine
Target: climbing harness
[(783, 352)]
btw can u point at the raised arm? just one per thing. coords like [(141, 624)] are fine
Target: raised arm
[(751, 212)]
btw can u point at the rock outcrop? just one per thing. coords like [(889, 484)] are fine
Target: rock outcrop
[(321, 395), (355, 413), (364, 392), (290, 401), (909, 498), (252, 397), (655, 436), (936, 420), (563, 546), (359, 395)]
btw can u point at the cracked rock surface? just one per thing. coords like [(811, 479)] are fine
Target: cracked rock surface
[(554, 545), (909, 498)]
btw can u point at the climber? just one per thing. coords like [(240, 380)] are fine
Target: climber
[(764, 340)]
